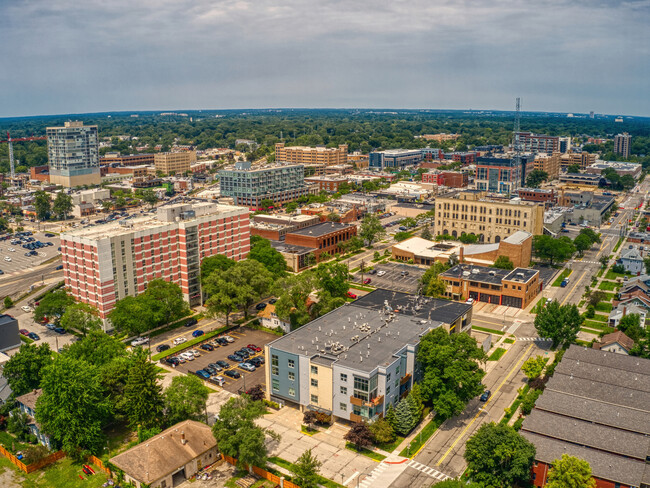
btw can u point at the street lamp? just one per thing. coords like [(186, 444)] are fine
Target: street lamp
[(359, 478)]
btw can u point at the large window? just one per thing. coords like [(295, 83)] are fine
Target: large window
[(276, 385), (274, 360), (314, 382), (361, 388), (292, 376), (314, 370), (291, 363)]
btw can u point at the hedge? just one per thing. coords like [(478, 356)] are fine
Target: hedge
[(193, 342)]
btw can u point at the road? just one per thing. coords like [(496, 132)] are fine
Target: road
[(18, 284)]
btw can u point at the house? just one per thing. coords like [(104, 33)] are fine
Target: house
[(169, 458), (5, 390), (632, 260), (616, 342), (27, 405), (9, 335), (636, 305), (270, 320)]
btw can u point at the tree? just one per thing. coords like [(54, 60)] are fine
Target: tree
[(309, 418), (536, 178), (262, 251), (451, 372), (573, 169), (498, 456), (334, 217), (382, 431), (62, 205), (24, 369), (185, 399), (333, 278), (218, 262), (591, 234), (359, 435), (596, 296), (54, 304), (434, 270), (630, 325), (570, 472), (560, 323), (293, 293), (426, 233), (306, 469), (533, 367), (18, 425), (605, 259), (642, 347), (107, 205), (42, 205), (401, 236), (405, 420), (582, 243), (456, 483), (553, 249), (82, 317), (468, 238), (237, 434), (168, 300), (149, 196), (266, 203), (253, 281), (143, 395), (371, 229), (8, 302), (73, 406), (256, 393), (503, 262), (96, 348), (291, 207), (133, 315)]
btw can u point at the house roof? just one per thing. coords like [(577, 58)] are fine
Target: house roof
[(266, 312), (29, 399), (617, 337), (165, 453)]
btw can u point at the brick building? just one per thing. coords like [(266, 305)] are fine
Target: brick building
[(39, 173), (549, 164), (324, 237), (174, 162), (328, 183), (452, 179), (311, 155), (547, 196), (128, 160)]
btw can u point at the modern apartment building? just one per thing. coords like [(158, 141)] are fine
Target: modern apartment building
[(73, 153), (105, 263), (538, 143), (582, 159), (622, 144), (250, 186), (311, 155), (549, 164), (358, 359), (492, 220), (503, 174), (394, 159), (172, 163)]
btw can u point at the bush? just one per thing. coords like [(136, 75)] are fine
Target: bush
[(382, 432), (618, 268), (529, 402), (591, 311), (35, 454), (517, 425), (8, 302)]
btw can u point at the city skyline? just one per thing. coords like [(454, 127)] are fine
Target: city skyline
[(137, 56)]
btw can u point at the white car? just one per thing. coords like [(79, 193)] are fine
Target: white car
[(7, 258), (188, 356), (179, 340), (228, 338), (25, 308), (381, 273), (469, 301), (140, 341), (196, 353), (11, 249)]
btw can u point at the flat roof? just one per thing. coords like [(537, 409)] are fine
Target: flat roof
[(321, 229), (494, 276)]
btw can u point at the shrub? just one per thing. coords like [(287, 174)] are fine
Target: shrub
[(529, 402), (591, 311), (34, 454)]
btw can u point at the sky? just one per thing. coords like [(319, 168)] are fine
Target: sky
[(79, 56)]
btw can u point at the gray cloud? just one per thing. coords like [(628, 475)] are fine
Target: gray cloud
[(65, 56)]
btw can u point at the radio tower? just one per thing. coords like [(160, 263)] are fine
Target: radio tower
[(517, 143)]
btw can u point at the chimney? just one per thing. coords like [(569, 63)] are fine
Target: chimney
[(183, 441)]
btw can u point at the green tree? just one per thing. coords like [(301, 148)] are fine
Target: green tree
[(168, 300), (573, 169), (533, 367), (96, 348), (62, 205), (582, 243), (591, 234), (333, 278), (391, 416), (426, 233), (451, 372), (186, 398), (630, 325), (53, 304), (334, 217), (434, 270), (253, 281), (596, 296), (293, 293), (266, 203), (306, 469), (371, 229), (560, 323), (133, 315), (262, 251), (81, 317), (42, 205), (536, 178), (401, 236), (405, 420), (498, 456), (218, 262), (436, 288), (382, 431), (73, 406), (24, 369), (8, 302), (468, 238), (642, 347), (359, 435), (291, 207), (553, 249), (570, 472), (143, 395), (503, 262), (223, 296), (237, 433), (149, 196)]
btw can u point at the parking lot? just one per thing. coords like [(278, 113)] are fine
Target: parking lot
[(393, 278), (242, 337), (13, 261)]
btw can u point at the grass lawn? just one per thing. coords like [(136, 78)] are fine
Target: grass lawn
[(496, 355), (422, 437), (287, 465), (590, 331), (600, 318), (489, 331), (598, 325), (63, 473), (509, 341), (604, 307), (608, 285), (560, 278), (7, 440), (618, 244), (366, 452), (600, 273), (391, 446), (610, 275)]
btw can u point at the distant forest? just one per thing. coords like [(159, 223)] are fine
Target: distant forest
[(362, 130)]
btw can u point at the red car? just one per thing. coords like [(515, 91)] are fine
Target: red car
[(367, 281), (351, 295), (254, 348), (24, 332)]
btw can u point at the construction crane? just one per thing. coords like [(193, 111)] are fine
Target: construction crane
[(10, 141)]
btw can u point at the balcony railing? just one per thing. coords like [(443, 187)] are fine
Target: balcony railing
[(363, 403), (355, 418), (405, 379)]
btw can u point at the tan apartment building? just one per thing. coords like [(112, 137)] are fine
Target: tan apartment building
[(311, 155), (172, 163), (491, 220), (582, 159), (549, 164)]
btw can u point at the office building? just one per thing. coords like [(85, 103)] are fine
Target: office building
[(542, 195), (491, 220), (622, 169), (538, 143), (358, 359), (549, 164), (452, 179), (173, 163), (564, 144), (73, 153), (128, 160), (250, 186), (582, 179), (502, 174), (582, 159), (596, 407), (311, 155), (394, 159), (622, 144), (105, 263), (513, 288)]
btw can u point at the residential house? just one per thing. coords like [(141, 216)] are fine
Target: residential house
[(632, 260), (270, 320), (27, 405), (638, 305), (616, 342)]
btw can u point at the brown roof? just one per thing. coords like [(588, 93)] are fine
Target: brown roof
[(618, 337), (266, 312), (165, 453), (29, 399)]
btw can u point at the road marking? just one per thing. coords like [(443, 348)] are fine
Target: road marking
[(515, 367), (428, 470), (574, 287), (349, 480)]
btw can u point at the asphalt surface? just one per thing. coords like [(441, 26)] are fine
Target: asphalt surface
[(393, 279)]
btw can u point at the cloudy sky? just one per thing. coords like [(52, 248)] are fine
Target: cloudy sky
[(72, 56)]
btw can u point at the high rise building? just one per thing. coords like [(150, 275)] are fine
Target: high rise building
[(503, 174), (538, 143), (565, 144), (172, 163), (103, 264), (622, 144), (73, 153), (394, 159), (250, 186), (311, 155)]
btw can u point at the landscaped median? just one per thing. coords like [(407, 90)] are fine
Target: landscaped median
[(422, 437), (565, 273), (193, 342)]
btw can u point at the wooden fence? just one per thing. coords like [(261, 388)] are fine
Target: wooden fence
[(29, 468), (98, 462), (262, 473)]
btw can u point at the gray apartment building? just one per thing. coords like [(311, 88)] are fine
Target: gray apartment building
[(73, 153), (394, 159), (9, 335), (248, 186), (357, 360)]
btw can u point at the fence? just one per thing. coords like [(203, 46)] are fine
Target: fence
[(29, 468), (262, 473), (98, 462)]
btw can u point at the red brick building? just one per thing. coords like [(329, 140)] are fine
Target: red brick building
[(537, 195), (324, 237), (328, 183), (40, 173), (452, 179)]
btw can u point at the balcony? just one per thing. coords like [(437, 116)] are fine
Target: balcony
[(363, 403), (405, 379), (356, 418)]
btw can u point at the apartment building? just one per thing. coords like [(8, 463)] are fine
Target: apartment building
[(513, 288), (541, 195), (452, 179), (582, 159), (73, 154), (622, 144), (128, 160), (472, 212), (105, 263), (172, 163), (328, 183), (538, 143), (250, 186), (357, 360), (549, 164), (502, 174), (394, 159), (311, 155)]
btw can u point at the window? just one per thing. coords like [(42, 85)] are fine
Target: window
[(274, 360), (292, 376), (291, 363), (163, 484), (343, 406), (314, 370), (344, 390), (314, 398), (276, 385), (397, 370), (387, 389), (388, 377), (292, 392), (344, 377), (314, 382), (275, 370), (396, 382)]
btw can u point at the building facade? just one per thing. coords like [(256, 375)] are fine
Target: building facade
[(311, 155), (394, 159), (9, 335), (502, 175), (549, 164), (106, 263), (541, 195), (250, 186), (491, 220), (328, 183), (73, 153), (538, 143), (128, 160), (622, 144), (325, 237), (582, 159), (172, 163), (452, 179)]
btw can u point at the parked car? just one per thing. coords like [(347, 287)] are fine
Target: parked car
[(243, 353), (235, 357), (403, 228), (24, 332), (26, 308), (59, 330), (49, 235), (367, 281), (228, 338), (173, 360), (179, 340), (1, 272), (196, 352), (190, 322), (188, 356), (60, 266), (247, 367), (260, 306), (207, 347), (253, 347), (50, 326), (381, 273), (221, 341), (232, 373), (140, 341), (485, 396), (8, 259), (215, 366), (404, 273), (162, 347), (469, 301), (34, 336), (222, 364), (218, 380), (372, 271), (197, 333), (351, 295), (272, 301), (256, 362), (203, 374)]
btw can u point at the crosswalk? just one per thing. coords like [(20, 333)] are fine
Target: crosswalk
[(369, 480), (536, 339), (428, 470)]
